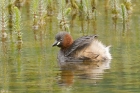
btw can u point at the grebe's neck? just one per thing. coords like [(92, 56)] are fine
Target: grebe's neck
[(67, 41)]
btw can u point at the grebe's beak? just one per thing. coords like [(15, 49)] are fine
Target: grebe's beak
[(56, 43)]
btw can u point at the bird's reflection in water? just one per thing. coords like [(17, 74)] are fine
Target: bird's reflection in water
[(82, 70)]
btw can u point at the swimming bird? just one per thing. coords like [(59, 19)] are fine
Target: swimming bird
[(84, 48)]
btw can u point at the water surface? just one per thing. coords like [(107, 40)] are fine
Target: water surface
[(35, 69)]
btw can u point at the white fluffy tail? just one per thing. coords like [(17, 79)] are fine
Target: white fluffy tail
[(101, 50), (96, 51)]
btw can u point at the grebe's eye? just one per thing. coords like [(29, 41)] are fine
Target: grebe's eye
[(60, 39)]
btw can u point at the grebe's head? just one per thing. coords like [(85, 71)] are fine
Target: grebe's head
[(63, 40)]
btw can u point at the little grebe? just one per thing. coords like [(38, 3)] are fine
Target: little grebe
[(84, 48)]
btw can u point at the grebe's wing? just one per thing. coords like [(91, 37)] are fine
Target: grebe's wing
[(79, 44)]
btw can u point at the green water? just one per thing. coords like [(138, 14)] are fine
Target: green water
[(35, 69)]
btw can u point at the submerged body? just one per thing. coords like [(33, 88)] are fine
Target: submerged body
[(84, 48)]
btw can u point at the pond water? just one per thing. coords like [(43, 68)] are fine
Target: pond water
[(34, 69)]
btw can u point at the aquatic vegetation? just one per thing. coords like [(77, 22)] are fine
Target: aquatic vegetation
[(128, 5), (34, 8), (3, 23), (17, 27), (10, 19), (19, 3), (63, 16), (50, 8), (74, 11), (124, 15), (115, 10), (106, 5), (90, 9), (66, 12), (17, 19), (39, 14), (41, 18)]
